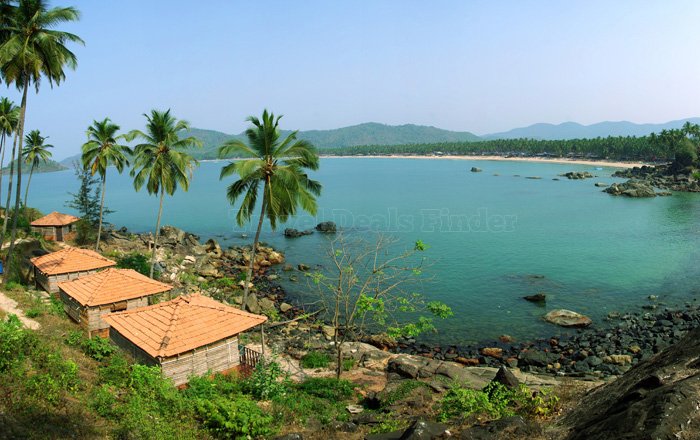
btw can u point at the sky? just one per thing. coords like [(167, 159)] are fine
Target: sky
[(480, 66)]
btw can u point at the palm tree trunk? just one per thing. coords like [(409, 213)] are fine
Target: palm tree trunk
[(249, 274), (9, 187), (155, 239), (20, 133), (102, 205), (2, 159), (26, 190)]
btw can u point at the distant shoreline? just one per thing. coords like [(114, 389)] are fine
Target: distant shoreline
[(596, 163)]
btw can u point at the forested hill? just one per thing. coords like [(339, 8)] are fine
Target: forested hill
[(44, 167), (370, 133)]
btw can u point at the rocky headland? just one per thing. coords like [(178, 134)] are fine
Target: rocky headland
[(662, 176)]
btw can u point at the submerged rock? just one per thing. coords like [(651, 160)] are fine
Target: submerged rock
[(476, 170), (567, 318), (536, 298), (326, 227), (294, 233)]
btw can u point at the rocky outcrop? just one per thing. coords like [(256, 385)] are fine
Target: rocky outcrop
[(662, 176), (631, 188), (419, 430), (657, 399), (476, 170), (577, 175), (326, 227), (567, 318), (294, 233)]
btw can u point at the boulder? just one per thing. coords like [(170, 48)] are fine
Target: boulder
[(515, 427), (476, 170), (266, 305), (294, 233), (601, 185), (567, 318), (536, 298), (631, 188), (213, 248), (506, 378), (577, 175), (303, 267), (252, 304), (208, 270), (326, 227), (419, 430), (493, 352), (284, 307)]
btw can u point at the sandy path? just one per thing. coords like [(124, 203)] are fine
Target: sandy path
[(9, 306), (595, 163)]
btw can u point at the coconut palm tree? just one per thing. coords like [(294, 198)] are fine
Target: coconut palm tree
[(31, 49), (99, 152), (34, 153), (9, 116), (161, 162), (276, 165)]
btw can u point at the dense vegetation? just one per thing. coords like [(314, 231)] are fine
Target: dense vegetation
[(44, 167)]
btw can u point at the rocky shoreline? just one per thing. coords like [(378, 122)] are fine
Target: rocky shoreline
[(606, 349), (663, 177)]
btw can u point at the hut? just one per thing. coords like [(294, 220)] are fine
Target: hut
[(55, 226), (90, 297), (66, 264), (189, 335)]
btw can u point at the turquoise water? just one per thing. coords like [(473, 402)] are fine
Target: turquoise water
[(487, 234)]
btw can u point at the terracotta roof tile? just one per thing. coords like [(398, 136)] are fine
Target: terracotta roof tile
[(111, 285), (182, 324), (55, 219), (70, 260)]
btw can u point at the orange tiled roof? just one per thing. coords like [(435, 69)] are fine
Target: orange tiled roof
[(112, 285), (181, 325), (70, 260), (55, 219)]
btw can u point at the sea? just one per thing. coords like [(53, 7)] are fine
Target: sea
[(493, 237)]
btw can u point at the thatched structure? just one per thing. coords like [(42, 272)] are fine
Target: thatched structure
[(65, 265), (55, 226), (189, 335), (88, 298)]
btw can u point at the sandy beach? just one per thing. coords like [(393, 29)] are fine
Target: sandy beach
[(594, 163)]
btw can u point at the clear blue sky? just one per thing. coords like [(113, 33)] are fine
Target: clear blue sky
[(480, 66)]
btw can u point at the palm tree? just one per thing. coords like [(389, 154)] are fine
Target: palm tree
[(34, 153), (161, 162), (279, 167), (32, 49), (99, 152), (9, 116)]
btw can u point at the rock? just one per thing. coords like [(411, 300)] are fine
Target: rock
[(618, 359), (631, 188), (208, 270), (189, 259), (506, 339), (266, 305), (354, 409), (514, 427), (476, 170), (290, 436), (657, 399), (275, 257), (419, 430), (576, 175), (533, 177), (328, 332), (493, 352), (470, 362), (284, 307), (212, 247), (294, 233), (536, 298), (567, 318), (288, 268), (533, 357), (382, 341), (252, 305), (506, 378), (601, 185), (303, 267), (242, 284), (326, 227)]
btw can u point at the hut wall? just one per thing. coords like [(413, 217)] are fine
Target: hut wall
[(129, 347), (94, 314), (51, 283), (217, 357), (72, 307), (48, 232)]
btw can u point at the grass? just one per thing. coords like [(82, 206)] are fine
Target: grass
[(315, 359)]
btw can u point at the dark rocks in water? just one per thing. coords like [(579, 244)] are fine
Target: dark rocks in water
[(506, 378), (662, 176), (536, 298), (476, 170), (533, 177), (601, 185), (419, 430), (631, 188), (303, 267), (567, 318), (294, 233), (577, 175), (657, 399), (326, 227), (533, 357)]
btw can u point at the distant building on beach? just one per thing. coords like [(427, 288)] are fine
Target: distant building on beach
[(189, 335), (55, 226)]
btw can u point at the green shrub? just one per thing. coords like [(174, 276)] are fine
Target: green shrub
[(117, 372), (315, 359), (12, 343), (267, 381), (74, 338), (56, 306), (348, 364), (327, 388), (462, 402), (401, 392), (136, 261), (33, 312), (103, 400), (14, 286), (98, 348), (237, 417), (542, 403)]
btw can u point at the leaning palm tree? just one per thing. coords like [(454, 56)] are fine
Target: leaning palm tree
[(31, 49), (99, 152), (161, 162), (279, 166), (34, 153), (9, 116)]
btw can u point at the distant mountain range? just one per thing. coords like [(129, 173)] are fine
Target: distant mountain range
[(372, 133), (573, 130)]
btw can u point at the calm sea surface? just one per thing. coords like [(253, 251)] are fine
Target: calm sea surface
[(488, 234)]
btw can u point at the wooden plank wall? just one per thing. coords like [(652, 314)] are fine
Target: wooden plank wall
[(95, 314), (217, 357), (134, 351)]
